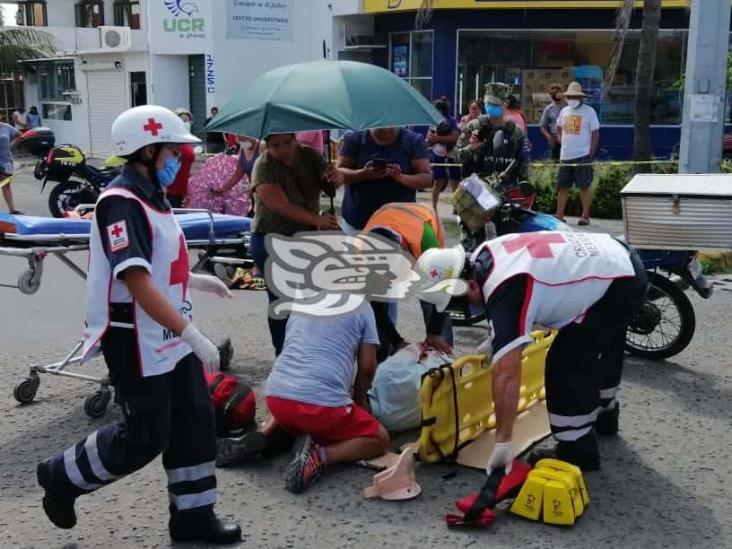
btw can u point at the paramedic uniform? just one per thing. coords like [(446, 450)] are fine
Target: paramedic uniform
[(417, 228), (158, 381), (587, 286)]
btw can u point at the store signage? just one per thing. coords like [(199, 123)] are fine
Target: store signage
[(210, 74), (386, 6), (180, 26), (259, 19)]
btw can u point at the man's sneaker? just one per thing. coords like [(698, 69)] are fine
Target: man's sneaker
[(59, 509), (607, 422), (203, 526), (244, 448), (307, 465)]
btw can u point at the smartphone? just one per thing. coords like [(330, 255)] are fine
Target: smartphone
[(378, 162)]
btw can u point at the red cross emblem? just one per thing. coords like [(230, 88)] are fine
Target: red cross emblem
[(152, 126), (537, 244), (179, 270), (116, 231), (434, 273)]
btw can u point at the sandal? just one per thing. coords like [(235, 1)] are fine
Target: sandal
[(583, 221)]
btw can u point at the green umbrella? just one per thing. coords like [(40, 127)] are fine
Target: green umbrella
[(324, 95)]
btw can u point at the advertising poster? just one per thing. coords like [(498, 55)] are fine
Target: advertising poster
[(400, 60), (259, 19)]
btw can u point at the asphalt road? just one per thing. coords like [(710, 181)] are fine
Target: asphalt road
[(666, 480)]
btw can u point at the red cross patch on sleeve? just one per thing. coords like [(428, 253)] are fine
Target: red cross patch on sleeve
[(118, 237)]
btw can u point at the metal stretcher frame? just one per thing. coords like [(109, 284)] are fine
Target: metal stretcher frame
[(32, 249)]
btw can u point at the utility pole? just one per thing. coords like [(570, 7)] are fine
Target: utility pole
[(704, 89)]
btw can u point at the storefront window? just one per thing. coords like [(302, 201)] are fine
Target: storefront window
[(411, 58), (524, 63), (54, 78)]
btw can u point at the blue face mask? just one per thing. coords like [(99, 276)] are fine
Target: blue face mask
[(493, 111), (166, 174)]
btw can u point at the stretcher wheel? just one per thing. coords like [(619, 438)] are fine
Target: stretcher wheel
[(25, 391), (29, 282), (95, 405), (226, 354)]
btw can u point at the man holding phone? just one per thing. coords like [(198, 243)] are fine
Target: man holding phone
[(379, 166)]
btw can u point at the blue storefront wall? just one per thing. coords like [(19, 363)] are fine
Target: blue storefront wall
[(616, 140)]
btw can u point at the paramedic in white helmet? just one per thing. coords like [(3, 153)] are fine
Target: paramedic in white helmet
[(139, 314), (587, 286)]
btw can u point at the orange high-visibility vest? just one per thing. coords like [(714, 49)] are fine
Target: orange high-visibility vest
[(407, 219)]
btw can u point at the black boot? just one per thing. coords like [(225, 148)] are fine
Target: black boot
[(583, 453), (607, 422), (59, 509), (202, 526)]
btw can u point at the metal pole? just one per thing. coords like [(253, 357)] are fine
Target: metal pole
[(704, 90)]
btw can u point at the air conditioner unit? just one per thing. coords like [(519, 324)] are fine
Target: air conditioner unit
[(115, 38)]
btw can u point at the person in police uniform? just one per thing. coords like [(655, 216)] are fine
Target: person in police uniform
[(587, 286), (138, 312)]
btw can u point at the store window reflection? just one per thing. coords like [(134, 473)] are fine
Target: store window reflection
[(410, 56), (524, 63)]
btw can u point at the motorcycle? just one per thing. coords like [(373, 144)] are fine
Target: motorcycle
[(666, 322), (77, 182)]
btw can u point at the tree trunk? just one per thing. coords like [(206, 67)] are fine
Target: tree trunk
[(644, 82)]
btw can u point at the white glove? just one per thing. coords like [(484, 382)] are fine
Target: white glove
[(486, 348), (202, 348), (208, 283), (502, 456)]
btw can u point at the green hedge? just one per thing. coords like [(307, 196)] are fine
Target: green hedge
[(608, 181)]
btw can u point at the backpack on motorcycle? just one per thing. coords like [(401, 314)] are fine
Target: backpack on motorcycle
[(234, 404)]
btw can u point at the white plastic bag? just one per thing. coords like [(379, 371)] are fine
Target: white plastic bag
[(394, 394)]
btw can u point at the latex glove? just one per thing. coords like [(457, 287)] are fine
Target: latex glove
[(502, 456), (202, 348), (209, 283), (486, 348)]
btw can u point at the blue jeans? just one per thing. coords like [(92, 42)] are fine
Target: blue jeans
[(276, 326)]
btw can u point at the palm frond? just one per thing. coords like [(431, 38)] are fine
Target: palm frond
[(18, 44), (622, 23)]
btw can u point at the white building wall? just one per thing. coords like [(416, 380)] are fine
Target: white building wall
[(168, 75), (238, 62), (61, 13)]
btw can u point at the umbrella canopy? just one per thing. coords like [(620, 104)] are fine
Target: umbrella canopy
[(324, 95)]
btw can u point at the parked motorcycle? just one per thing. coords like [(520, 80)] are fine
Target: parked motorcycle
[(77, 181), (666, 323), (37, 141)]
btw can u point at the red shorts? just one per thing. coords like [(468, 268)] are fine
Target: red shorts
[(326, 424)]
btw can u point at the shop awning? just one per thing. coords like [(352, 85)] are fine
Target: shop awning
[(389, 6)]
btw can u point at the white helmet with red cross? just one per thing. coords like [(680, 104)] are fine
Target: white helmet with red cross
[(147, 125), (440, 271)]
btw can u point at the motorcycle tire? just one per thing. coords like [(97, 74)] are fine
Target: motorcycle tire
[(68, 195), (654, 315)]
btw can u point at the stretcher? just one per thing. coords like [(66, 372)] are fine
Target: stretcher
[(220, 240), (457, 407)]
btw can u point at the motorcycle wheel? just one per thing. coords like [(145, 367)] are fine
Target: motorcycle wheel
[(67, 195), (666, 323)]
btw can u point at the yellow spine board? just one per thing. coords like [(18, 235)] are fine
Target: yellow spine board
[(469, 379)]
